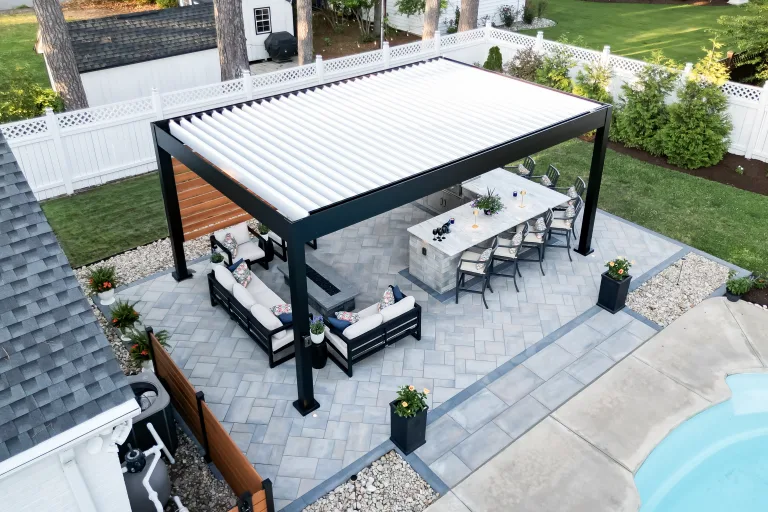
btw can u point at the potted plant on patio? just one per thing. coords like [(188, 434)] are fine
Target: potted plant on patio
[(102, 281), (489, 202), (124, 317), (264, 230), (140, 346), (216, 259), (409, 418), (735, 287), (614, 285), (317, 335), (317, 329)]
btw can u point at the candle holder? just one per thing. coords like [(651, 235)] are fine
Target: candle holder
[(475, 212), (522, 198)]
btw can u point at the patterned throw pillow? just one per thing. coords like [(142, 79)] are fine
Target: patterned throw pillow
[(523, 170), (572, 192), (540, 226), (546, 181), (388, 299), (242, 274), (570, 214), (281, 309), (516, 241), (482, 259), (348, 316), (230, 243)]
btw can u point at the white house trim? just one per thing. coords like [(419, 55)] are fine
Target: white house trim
[(75, 479)]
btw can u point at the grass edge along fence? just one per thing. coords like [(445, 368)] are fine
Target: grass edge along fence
[(254, 493)]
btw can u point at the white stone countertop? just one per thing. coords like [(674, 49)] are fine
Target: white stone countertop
[(462, 236)]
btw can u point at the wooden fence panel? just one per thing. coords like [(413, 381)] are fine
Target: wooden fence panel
[(230, 461)]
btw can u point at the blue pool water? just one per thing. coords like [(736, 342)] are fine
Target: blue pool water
[(716, 461)]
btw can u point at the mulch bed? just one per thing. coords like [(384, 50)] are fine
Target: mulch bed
[(348, 42), (757, 296), (664, 2)]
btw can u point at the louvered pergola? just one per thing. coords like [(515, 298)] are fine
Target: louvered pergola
[(313, 161)]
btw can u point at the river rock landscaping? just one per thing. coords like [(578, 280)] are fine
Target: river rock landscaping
[(677, 288), (389, 484)]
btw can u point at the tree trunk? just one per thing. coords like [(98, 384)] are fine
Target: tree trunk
[(59, 55), (304, 28), (431, 19), (230, 38), (468, 17), (377, 7)]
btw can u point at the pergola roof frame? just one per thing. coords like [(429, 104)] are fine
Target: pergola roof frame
[(349, 211)]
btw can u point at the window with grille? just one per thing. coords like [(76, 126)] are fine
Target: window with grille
[(263, 20)]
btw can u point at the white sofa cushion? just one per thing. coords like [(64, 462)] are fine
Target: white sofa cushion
[(239, 232), (224, 277), (398, 308), (243, 296), (282, 339), (370, 310), (267, 298), (362, 326), (250, 251), (265, 317), (337, 342)]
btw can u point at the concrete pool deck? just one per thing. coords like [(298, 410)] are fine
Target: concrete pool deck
[(584, 455)]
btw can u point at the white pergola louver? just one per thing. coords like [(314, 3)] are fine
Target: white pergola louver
[(314, 148)]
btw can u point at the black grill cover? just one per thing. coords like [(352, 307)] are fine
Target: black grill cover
[(281, 46)]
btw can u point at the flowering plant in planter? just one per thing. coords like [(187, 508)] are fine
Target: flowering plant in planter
[(489, 202), (316, 325), (410, 402), (102, 279), (124, 315), (618, 269), (140, 343), (735, 287)]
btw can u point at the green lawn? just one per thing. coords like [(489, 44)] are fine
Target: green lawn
[(724, 221), (112, 218), (18, 32), (634, 30)]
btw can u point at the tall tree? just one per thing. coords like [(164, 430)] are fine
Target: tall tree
[(468, 17), (59, 55), (431, 19), (230, 38), (378, 6), (304, 29)]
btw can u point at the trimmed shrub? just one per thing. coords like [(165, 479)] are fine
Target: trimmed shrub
[(529, 12), (166, 4), (642, 113), (593, 81), (23, 98), (554, 69), (493, 62), (524, 64)]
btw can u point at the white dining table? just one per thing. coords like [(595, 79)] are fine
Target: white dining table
[(434, 262)]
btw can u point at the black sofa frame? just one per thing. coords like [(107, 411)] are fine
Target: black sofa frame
[(283, 246), (269, 252), (245, 319), (374, 340)]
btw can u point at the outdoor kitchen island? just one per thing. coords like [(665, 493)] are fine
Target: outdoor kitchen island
[(434, 262)]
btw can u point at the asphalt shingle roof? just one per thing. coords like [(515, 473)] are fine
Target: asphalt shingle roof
[(102, 43), (57, 369)]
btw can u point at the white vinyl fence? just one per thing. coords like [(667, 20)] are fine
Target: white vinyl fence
[(63, 153)]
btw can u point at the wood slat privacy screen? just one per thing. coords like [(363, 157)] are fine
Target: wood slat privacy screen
[(203, 208), (230, 461)]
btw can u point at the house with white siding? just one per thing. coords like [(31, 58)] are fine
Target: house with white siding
[(64, 401), (486, 10)]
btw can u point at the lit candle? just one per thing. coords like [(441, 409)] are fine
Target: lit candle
[(522, 198), (474, 212)]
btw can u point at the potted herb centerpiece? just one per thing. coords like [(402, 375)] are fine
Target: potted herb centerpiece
[(124, 317), (735, 287), (614, 285), (489, 202), (102, 281), (409, 418), (216, 259)]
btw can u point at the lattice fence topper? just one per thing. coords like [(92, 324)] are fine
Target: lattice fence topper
[(469, 36), (513, 38), (405, 50), (198, 94), (746, 92), (111, 112), (284, 76), (354, 61), (625, 64), (19, 129)]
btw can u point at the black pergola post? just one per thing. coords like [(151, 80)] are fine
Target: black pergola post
[(297, 277), (172, 210), (593, 186)]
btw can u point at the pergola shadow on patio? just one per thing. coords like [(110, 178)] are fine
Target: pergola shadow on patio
[(315, 161)]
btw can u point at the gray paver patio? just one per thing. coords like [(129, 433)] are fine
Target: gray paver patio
[(460, 344)]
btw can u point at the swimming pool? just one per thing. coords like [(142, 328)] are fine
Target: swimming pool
[(717, 460)]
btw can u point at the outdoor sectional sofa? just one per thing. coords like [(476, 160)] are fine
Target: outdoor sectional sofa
[(374, 331), (249, 307)]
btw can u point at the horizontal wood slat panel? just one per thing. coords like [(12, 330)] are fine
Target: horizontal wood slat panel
[(191, 235), (215, 216), (197, 191), (213, 202), (185, 204), (231, 209)]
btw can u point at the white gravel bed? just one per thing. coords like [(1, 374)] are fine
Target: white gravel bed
[(389, 484), (677, 288), (537, 23), (124, 358), (193, 482)]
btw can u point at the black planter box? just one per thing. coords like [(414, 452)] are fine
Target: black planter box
[(408, 433), (613, 294)]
